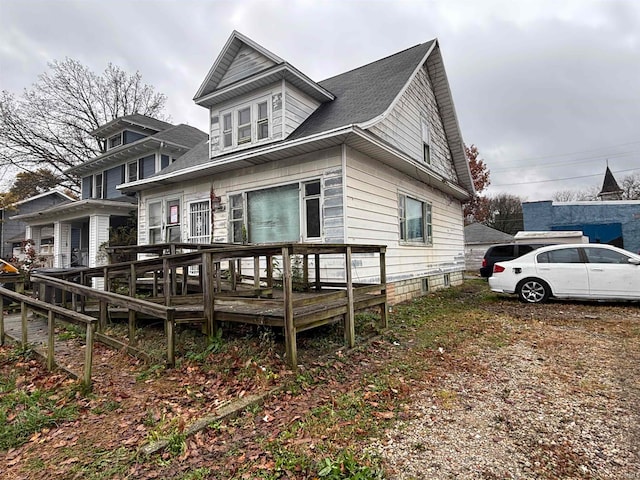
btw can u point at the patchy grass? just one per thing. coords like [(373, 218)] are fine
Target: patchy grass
[(29, 404)]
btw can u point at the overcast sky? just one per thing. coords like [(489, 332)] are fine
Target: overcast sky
[(547, 90)]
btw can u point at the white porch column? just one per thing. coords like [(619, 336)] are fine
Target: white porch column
[(61, 245), (98, 235)]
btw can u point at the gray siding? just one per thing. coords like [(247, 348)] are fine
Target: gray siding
[(113, 177), (403, 126), (333, 206), (298, 107), (246, 63)]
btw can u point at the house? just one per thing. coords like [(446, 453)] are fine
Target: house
[(12, 231), (610, 220), (477, 239), (371, 156), (137, 147)]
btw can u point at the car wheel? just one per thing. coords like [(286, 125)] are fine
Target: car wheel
[(533, 290)]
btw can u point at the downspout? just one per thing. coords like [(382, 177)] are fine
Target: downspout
[(344, 192)]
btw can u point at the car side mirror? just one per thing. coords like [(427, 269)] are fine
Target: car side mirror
[(634, 261)]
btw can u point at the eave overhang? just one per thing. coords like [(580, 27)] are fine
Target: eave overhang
[(77, 210), (351, 135), (129, 151), (263, 79), (111, 128)]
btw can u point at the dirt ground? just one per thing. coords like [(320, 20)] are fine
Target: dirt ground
[(489, 389)]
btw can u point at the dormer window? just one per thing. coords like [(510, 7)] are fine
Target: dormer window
[(115, 141), (246, 124), (263, 121)]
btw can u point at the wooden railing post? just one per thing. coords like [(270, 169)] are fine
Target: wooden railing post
[(88, 355), (349, 322), (1, 320), (208, 288), (50, 341), (317, 269), (256, 272), (383, 281), (305, 272), (269, 271), (289, 326), (171, 339), (23, 314)]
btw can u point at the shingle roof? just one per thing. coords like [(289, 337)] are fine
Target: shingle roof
[(134, 118), (363, 93), (609, 186), (182, 135), (479, 233)]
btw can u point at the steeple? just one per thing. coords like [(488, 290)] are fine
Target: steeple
[(610, 188)]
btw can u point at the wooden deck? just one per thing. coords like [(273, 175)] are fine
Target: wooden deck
[(206, 286)]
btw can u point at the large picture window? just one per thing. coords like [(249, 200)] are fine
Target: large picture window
[(288, 213), (415, 220)]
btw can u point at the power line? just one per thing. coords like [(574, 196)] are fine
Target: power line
[(559, 179), (596, 158)]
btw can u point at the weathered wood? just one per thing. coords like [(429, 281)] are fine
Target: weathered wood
[(23, 317), (171, 339), (383, 281), (88, 355), (349, 318), (316, 266), (208, 288), (269, 271), (256, 271), (318, 299), (1, 320), (289, 327), (305, 271), (132, 327), (51, 330), (104, 313), (118, 345)]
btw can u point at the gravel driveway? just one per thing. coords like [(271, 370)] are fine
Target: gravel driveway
[(555, 394)]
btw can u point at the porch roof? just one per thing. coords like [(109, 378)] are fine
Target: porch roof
[(76, 210)]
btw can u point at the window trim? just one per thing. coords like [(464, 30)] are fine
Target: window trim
[(426, 141), (302, 219), (232, 134), (207, 216), (137, 168), (427, 221), (110, 140), (165, 225), (98, 187)]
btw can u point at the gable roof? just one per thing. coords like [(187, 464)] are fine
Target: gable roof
[(262, 69), (364, 93), (135, 119), (362, 97), (478, 233)]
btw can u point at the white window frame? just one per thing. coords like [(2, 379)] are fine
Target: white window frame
[(426, 141), (135, 177), (98, 185), (302, 199), (427, 221), (230, 137), (110, 142), (166, 224), (199, 215)]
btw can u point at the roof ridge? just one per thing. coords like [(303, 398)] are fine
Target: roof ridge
[(375, 61)]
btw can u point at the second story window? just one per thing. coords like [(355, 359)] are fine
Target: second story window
[(227, 131), (244, 125), (263, 121), (97, 189), (132, 171), (426, 142), (115, 141), (250, 123)]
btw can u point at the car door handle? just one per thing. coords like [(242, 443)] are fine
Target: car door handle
[(596, 269)]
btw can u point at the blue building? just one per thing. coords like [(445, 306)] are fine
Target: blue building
[(616, 222)]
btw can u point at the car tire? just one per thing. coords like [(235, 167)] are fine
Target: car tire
[(533, 290)]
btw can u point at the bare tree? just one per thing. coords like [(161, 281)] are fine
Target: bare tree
[(505, 213), (49, 125), (631, 187), (586, 194)]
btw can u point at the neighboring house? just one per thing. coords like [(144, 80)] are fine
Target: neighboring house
[(612, 221), (371, 156), (137, 147), (12, 231), (477, 239)]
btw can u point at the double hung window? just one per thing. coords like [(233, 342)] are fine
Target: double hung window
[(99, 182), (115, 141), (426, 142), (415, 220), (249, 123), (132, 171), (164, 221)]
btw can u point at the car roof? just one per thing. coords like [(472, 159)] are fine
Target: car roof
[(559, 246)]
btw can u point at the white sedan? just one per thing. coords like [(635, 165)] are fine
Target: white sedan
[(578, 271)]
